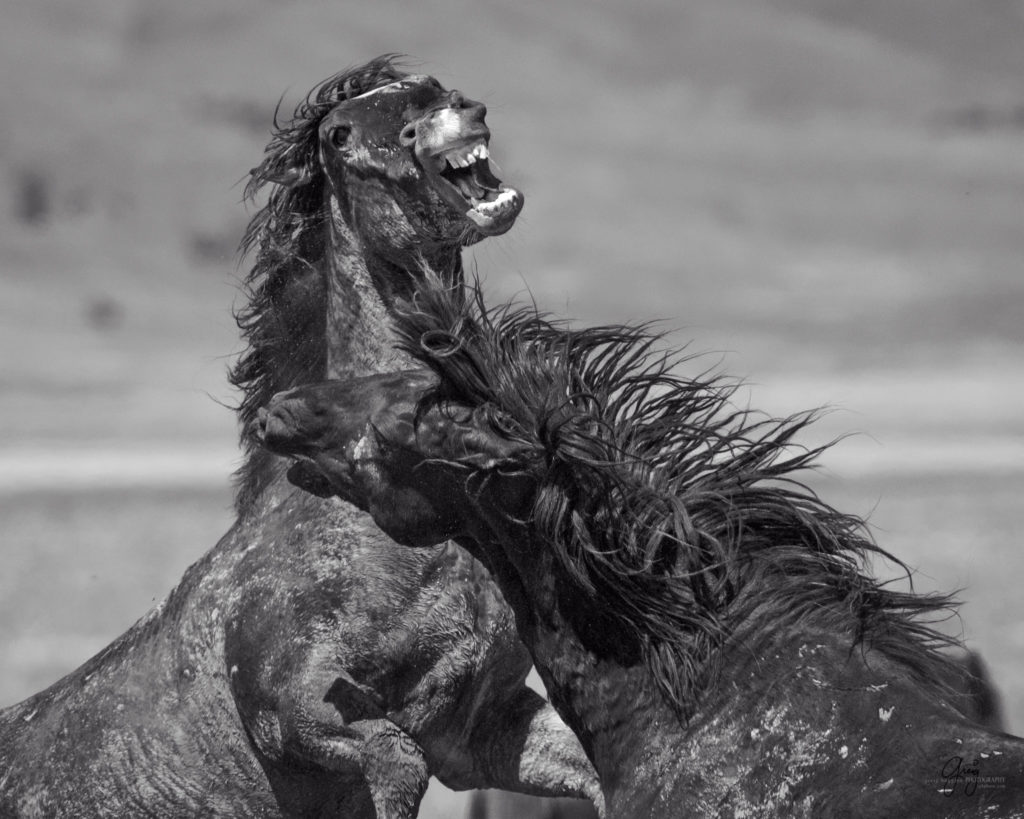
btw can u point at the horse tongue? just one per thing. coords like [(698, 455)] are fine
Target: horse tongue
[(467, 186), (483, 177)]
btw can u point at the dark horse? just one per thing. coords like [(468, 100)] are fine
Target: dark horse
[(704, 623), (308, 665)]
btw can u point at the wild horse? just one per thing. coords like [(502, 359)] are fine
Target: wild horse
[(704, 623), (308, 665)]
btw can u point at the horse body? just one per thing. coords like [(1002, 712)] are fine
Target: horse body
[(273, 695), (148, 727), (809, 724), (801, 723), (308, 665), (702, 623)]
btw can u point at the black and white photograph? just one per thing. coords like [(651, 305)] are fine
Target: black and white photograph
[(512, 410)]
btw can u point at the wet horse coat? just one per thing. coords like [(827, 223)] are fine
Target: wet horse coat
[(308, 665), (702, 621)]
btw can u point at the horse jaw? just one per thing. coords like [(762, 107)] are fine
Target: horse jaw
[(452, 147)]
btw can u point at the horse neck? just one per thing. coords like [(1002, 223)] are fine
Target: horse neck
[(362, 290), (357, 291), (611, 707)]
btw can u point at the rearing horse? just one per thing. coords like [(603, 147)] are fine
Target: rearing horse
[(309, 666), (702, 621)]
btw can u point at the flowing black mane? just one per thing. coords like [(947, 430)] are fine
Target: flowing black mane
[(283, 323), (672, 514)]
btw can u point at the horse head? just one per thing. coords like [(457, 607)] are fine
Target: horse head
[(424, 475), (397, 163)]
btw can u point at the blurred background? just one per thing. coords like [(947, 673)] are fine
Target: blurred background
[(828, 195)]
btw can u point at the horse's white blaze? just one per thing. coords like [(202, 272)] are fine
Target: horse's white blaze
[(448, 125)]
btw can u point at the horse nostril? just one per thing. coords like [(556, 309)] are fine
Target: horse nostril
[(407, 136), (475, 110), (259, 425)]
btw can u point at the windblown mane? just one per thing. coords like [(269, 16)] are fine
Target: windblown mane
[(284, 322), (671, 514)]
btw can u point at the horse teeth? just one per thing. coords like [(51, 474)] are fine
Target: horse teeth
[(466, 156), (502, 203)]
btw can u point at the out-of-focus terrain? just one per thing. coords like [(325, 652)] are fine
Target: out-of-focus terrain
[(828, 194)]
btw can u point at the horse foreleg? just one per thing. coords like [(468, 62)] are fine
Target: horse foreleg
[(395, 770), (524, 746), (391, 763)]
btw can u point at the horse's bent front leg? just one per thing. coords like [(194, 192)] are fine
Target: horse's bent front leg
[(389, 760), (524, 746), (395, 770)]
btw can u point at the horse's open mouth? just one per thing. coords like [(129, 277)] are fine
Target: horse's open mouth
[(462, 176)]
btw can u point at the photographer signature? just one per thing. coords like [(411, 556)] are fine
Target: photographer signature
[(957, 770)]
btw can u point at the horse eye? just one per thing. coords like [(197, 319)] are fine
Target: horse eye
[(339, 135)]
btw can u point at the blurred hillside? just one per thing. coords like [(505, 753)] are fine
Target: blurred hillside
[(812, 184), (829, 191)]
